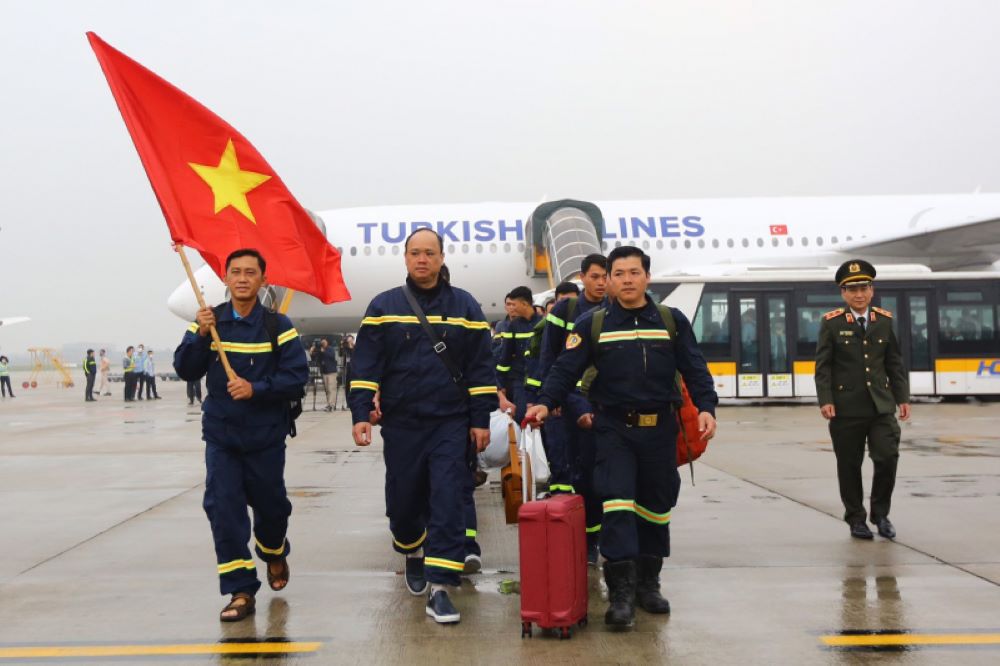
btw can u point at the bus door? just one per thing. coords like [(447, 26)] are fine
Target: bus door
[(763, 353)]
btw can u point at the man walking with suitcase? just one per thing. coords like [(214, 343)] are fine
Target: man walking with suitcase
[(425, 349), (637, 355)]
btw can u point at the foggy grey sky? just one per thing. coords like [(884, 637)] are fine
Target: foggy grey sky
[(373, 103)]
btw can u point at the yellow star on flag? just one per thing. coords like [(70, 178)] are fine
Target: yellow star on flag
[(229, 183)]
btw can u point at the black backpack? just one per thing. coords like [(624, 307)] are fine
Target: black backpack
[(294, 405)]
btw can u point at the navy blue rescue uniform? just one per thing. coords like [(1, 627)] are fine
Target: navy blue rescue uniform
[(514, 367), (563, 438), (426, 416), (636, 462), (245, 439)]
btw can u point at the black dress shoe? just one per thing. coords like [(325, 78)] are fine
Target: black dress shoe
[(861, 531), (885, 528)]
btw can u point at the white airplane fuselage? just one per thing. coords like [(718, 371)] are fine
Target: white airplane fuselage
[(485, 242)]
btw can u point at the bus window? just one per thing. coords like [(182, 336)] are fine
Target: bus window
[(920, 352), (749, 356), (966, 328), (711, 324), (891, 304), (778, 359), (809, 317)]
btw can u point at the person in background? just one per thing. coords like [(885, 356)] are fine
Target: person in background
[(150, 371), (194, 391), (90, 372), (5, 377), (105, 368), (128, 373), (328, 369), (140, 371)]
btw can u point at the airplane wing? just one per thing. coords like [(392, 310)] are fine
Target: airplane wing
[(964, 245), (10, 321)]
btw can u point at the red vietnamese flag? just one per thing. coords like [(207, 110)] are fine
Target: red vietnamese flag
[(217, 192), (779, 229)]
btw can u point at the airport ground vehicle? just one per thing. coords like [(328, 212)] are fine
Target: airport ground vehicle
[(758, 329)]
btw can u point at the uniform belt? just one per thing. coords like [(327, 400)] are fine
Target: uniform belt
[(637, 418)]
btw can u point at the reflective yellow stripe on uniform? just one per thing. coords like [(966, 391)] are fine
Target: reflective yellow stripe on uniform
[(523, 336), (553, 487), (619, 505), (290, 334), (471, 534), (442, 563), (244, 347), (594, 529), (655, 518), (638, 334), (410, 546), (503, 368), (270, 551), (533, 382), (228, 567), (433, 319), (552, 319), (193, 328), (482, 390), (504, 334), (363, 385)]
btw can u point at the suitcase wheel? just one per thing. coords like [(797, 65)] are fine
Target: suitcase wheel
[(525, 630), (564, 633)]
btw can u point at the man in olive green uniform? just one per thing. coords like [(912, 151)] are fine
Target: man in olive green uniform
[(859, 381)]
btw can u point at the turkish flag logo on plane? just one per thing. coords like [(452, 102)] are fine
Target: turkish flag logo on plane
[(779, 229)]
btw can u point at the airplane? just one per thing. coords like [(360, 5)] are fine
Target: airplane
[(492, 247), (10, 321)]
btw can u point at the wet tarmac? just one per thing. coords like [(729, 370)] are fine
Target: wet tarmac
[(108, 557)]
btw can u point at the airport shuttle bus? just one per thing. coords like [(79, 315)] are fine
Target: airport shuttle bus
[(758, 329)]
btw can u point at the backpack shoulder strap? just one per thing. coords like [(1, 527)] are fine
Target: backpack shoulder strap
[(668, 320), (271, 327), (595, 328), (571, 309)]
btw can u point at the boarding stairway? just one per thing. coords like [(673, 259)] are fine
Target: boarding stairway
[(559, 235)]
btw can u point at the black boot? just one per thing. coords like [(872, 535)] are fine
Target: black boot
[(621, 580), (647, 591)]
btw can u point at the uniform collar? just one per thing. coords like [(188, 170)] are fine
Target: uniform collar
[(618, 314), (252, 318)]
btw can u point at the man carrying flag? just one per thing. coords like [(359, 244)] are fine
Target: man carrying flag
[(221, 197)]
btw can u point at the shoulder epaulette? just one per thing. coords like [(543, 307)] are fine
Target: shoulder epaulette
[(834, 313), (884, 313)]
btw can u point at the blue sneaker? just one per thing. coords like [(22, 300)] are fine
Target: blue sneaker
[(416, 583), (440, 608)]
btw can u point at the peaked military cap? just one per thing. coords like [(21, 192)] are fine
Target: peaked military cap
[(855, 271)]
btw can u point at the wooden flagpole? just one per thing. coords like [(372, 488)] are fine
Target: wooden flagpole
[(201, 303), (286, 301)]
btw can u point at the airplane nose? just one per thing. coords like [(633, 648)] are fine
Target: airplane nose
[(182, 301)]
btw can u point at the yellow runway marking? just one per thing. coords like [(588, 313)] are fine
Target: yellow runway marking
[(55, 651), (907, 640)]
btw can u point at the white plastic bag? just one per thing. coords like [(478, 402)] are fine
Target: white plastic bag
[(532, 443), (497, 454)]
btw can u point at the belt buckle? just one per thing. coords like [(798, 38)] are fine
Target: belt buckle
[(648, 420)]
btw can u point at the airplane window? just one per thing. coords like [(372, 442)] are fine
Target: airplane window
[(729, 242), (746, 243), (760, 242), (833, 240), (774, 242), (805, 241), (368, 251), (604, 246), (645, 245), (849, 239), (701, 242), (790, 241), (687, 245), (520, 247), (506, 247), (381, 250), (715, 242), (819, 240), (673, 245), (659, 244), (451, 249), (493, 248), (479, 248), (395, 249), (354, 251), (465, 248), (618, 243)]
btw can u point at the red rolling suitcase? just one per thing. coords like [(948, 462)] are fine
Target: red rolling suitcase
[(553, 545)]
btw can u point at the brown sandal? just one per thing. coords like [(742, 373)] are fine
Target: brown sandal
[(280, 580), (249, 607)]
